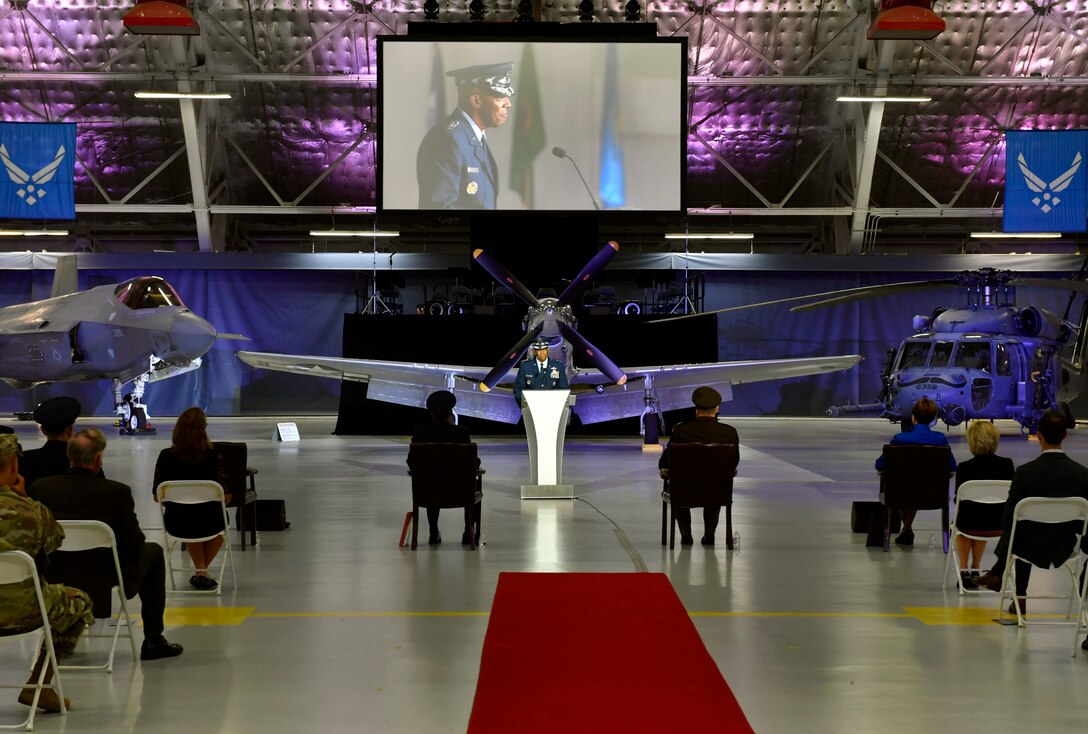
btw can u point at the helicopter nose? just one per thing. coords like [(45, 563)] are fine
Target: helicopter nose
[(191, 336)]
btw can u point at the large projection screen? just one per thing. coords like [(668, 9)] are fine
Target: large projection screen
[(599, 101)]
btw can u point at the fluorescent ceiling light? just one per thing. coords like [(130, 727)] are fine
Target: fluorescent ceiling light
[(709, 236), (1016, 235), (352, 233), (33, 233), (889, 98), (182, 95)]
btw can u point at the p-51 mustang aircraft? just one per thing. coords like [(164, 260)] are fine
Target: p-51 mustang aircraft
[(601, 394), (138, 330)]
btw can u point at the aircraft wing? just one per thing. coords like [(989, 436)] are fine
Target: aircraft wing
[(403, 383), (596, 399)]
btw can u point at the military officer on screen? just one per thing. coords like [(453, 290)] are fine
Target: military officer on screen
[(454, 168), (540, 372)]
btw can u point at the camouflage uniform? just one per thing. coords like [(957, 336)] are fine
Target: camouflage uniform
[(29, 526)]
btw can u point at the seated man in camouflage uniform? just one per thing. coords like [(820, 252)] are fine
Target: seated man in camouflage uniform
[(29, 526)]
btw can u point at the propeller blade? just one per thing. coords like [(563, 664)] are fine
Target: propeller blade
[(594, 355), (589, 272), (500, 370), (236, 337), (504, 276)]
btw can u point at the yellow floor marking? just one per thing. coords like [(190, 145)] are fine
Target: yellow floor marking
[(203, 616), (966, 615), (371, 614), (879, 615)]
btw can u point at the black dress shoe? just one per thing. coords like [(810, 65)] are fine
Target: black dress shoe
[(466, 539), (158, 648), (989, 581), (968, 581), (905, 538), (707, 540), (687, 540), (434, 539), (1084, 645)]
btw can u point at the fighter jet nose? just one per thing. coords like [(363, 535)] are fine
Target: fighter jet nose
[(191, 336)]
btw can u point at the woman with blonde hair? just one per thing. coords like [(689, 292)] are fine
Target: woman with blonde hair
[(193, 456), (982, 438)]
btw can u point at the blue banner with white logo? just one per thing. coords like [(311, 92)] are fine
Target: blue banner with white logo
[(38, 176), (1046, 181)]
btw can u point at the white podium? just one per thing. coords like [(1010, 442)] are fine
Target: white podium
[(546, 413)]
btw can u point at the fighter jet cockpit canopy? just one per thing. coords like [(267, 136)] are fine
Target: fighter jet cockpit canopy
[(148, 291)]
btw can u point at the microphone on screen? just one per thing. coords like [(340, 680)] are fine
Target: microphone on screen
[(560, 153)]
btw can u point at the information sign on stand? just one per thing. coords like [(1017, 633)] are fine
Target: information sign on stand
[(286, 432)]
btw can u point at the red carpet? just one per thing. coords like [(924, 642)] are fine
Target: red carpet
[(597, 652)]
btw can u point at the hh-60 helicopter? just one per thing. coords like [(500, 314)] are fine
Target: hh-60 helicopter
[(986, 359)]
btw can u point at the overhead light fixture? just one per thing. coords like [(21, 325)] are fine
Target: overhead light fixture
[(161, 18), (709, 236), (907, 20), (182, 95), (353, 233), (33, 233), (1015, 235), (889, 98)]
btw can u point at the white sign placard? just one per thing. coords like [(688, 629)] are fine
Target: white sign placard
[(287, 432)]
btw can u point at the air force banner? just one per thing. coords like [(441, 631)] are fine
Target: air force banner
[(38, 178), (1046, 181)]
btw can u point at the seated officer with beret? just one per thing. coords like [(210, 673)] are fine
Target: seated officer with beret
[(454, 167), (704, 429), (441, 429), (56, 417)]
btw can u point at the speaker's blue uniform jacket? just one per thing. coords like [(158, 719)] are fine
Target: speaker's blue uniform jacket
[(552, 377), (454, 169)]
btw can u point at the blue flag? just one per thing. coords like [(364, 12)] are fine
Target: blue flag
[(38, 180), (1046, 181), (611, 184)]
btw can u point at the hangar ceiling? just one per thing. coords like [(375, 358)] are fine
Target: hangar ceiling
[(770, 150)]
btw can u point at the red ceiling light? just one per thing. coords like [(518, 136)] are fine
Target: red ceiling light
[(162, 18), (905, 20)]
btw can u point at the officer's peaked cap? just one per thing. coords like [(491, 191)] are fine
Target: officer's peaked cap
[(540, 343), (441, 401), (706, 398), (491, 78), (57, 413)]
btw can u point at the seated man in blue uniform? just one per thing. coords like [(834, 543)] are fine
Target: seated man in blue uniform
[(454, 167), (541, 372), (922, 415)]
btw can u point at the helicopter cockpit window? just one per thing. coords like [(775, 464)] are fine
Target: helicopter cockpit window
[(147, 292), (914, 355), (942, 351), (1004, 369), (973, 355)]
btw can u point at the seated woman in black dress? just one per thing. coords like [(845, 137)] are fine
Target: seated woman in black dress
[(193, 457), (982, 438)]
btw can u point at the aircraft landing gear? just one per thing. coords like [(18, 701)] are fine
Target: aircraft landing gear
[(132, 414)]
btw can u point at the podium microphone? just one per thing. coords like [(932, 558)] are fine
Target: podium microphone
[(560, 153)]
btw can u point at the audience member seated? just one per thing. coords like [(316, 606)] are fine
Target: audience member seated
[(704, 429), (81, 494), (56, 419), (192, 456), (441, 429), (29, 526), (1052, 474), (982, 439), (922, 415)]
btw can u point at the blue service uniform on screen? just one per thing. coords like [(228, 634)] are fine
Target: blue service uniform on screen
[(454, 169)]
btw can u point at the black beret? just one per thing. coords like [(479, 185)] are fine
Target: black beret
[(6, 429), (706, 398), (59, 412), (441, 401)]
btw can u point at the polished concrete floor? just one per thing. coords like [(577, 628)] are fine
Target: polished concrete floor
[(333, 628)]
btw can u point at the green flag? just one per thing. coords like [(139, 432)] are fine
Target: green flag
[(528, 129)]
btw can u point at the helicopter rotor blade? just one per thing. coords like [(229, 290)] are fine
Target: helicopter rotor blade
[(504, 276), (1066, 285), (500, 370), (594, 355), (596, 264)]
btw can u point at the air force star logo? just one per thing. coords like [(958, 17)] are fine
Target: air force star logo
[(30, 185), (1048, 200)]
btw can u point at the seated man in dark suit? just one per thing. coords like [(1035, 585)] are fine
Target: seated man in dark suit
[(1052, 474), (441, 429), (56, 418), (81, 494), (704, 429)]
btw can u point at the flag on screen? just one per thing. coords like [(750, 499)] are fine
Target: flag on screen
[(611, 186), (436, 102), (528, 130), (38, 180), (1046, 181)]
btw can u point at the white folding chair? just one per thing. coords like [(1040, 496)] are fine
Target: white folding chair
[(983, 492), (1050, 510), (17, 567), (193, 492), (84, 535)]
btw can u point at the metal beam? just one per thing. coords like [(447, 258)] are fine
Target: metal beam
[(867, 160)]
